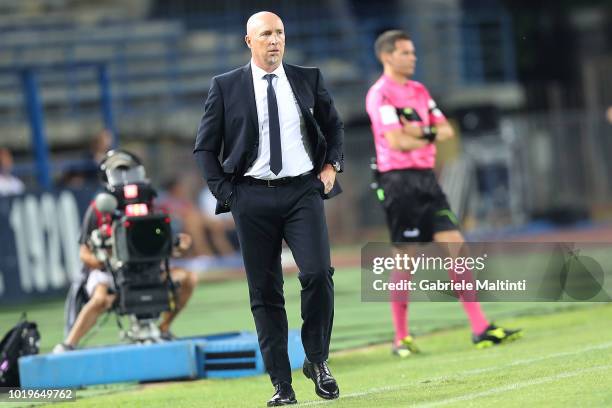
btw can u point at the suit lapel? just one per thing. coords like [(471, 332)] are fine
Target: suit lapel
[(297, 87), (247, 84)]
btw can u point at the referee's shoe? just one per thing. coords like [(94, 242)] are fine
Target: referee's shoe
[(494, 335), (405, 348)]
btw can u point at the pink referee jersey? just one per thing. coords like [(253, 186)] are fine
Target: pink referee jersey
[(383, 98)]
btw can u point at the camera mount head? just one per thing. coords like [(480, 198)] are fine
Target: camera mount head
[(119, 168)]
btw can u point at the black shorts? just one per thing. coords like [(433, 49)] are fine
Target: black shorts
[(415, 205)]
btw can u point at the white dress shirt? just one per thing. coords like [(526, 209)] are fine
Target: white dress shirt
[(294, 144)]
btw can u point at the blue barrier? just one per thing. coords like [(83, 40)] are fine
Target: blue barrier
[(227, 355), (105, 365)]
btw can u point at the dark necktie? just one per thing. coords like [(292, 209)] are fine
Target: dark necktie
[(276, 156)]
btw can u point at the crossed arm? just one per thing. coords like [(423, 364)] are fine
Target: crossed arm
[(410, 136)]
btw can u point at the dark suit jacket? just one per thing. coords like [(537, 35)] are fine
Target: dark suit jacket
[(229, 127)]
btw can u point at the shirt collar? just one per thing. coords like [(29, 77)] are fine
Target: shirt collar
[(390, 81), (259, 73)]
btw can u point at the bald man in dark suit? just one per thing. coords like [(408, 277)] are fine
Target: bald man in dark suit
[(278, 135)]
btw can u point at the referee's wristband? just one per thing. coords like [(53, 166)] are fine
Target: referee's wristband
[(430, 133)]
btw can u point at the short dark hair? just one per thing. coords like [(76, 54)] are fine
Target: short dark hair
[(386, 41)]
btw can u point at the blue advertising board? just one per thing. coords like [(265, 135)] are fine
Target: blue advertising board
[(39, 250)]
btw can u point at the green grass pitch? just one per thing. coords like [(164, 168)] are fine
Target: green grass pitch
[(564, 359)]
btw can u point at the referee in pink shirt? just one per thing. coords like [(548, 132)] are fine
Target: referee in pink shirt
[(405, 123)]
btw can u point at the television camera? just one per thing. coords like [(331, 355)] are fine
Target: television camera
[(134, 243)]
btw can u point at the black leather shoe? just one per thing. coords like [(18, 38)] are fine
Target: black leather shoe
[(284, 395), (325, 384)]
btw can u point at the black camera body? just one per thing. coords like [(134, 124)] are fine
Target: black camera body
[(142, 239), (140, 246)]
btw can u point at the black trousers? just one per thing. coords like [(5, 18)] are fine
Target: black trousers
[(265, 216)]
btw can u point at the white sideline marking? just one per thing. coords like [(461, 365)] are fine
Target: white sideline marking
[(601, 346), (379, 390), (515, 386)]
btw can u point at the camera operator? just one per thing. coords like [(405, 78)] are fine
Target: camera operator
[(117, 169)]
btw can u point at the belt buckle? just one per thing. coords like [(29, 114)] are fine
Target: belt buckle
[(268, 184)]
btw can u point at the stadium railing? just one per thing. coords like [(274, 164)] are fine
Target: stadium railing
[(159, 61)]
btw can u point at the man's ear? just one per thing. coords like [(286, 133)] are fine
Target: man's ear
[(385, 57), (247, 40)]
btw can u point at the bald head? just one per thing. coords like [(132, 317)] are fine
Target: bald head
[(265, 36), (260, 18)]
